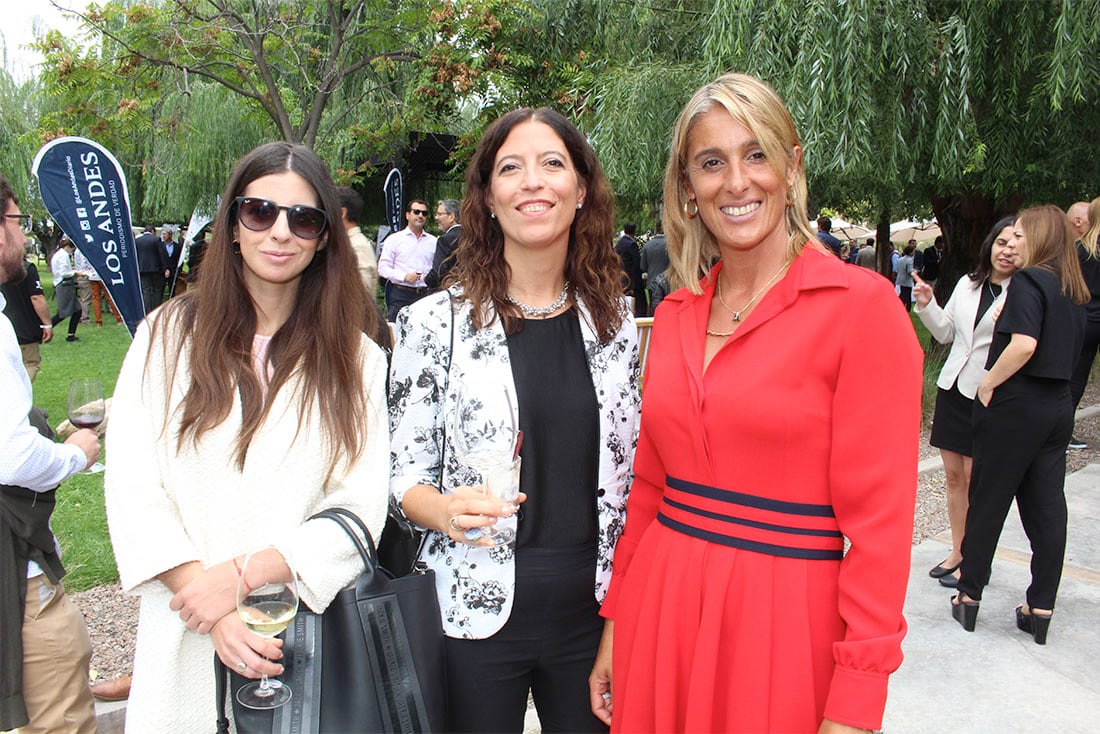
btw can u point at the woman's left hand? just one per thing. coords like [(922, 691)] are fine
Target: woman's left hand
[(831, 727), (599, 682), (985, 393), (207, 598)]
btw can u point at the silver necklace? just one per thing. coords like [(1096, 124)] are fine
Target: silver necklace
[(532, 312), (989, 283), (737, 314)]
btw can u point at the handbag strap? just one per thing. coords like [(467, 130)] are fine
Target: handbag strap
[(345, 518), (221, 685)]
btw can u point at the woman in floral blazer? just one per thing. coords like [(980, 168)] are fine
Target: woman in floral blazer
[(536, 230)]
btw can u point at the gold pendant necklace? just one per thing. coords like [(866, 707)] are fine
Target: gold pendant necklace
[(736, 315)]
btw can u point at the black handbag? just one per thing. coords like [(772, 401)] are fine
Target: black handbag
[(373, 662)]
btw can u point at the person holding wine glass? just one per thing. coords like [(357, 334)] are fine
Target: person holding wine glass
[(43, 684), (243, 407), (534, 304)]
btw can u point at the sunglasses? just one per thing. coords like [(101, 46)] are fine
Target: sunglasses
[(419, 212), (24, 221), (307, 222)]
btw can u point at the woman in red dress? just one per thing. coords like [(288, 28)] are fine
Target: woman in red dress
[(780, 425)]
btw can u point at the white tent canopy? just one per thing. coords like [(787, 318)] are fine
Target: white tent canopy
[(921, 231)]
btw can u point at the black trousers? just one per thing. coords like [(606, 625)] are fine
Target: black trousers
[(1020, 452), (1089, 348), (547, 646), (397, 297)]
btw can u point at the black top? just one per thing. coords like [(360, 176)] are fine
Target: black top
[(1036, 307), (559, 417), (20, 311), (989, 294), (1090, 268)]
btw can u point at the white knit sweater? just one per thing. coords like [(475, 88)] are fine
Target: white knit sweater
[(167, 508)]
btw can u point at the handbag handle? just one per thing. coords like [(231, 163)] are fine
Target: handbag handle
[(345, 518)]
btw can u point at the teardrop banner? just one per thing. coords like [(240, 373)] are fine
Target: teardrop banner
[(84, 190)]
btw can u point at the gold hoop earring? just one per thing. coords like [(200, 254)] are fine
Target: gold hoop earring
[(691, 209)]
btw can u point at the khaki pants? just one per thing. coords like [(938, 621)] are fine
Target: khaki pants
[(32, 358), (56, 654)]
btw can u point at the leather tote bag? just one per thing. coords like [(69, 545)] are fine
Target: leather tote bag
[(373, 662)]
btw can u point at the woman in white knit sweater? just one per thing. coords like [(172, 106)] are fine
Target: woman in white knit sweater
[(243, 407)]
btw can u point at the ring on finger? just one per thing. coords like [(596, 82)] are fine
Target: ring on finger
[(241, 666), (454, 524)]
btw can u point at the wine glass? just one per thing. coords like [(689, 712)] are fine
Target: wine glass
[(486, 439), (87, 408), (267, 610)]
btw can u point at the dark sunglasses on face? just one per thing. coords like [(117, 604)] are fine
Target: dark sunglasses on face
[(307, 222), (419, 212)]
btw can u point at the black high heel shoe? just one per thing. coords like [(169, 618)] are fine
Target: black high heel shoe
[(965, 612), (1035, 625)]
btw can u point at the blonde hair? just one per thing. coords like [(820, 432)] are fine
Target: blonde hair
[(1093, 232), (691, 246), (1050, 247)]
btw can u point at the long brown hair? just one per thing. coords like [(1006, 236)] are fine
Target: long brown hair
[(319, 343), (591, 265), (1050, 247), (1092, 235)]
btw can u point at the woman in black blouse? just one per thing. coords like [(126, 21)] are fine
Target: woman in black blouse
[(1023, 418), (533, 303)]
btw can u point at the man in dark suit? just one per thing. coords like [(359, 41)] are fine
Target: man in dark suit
[(627, 249), (446, 217), (654, 266), (152, 267), (172, 250)]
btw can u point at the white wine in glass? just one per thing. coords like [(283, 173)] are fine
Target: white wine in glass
[(267, 610)]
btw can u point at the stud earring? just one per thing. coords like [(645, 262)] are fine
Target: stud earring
[(691, 209), (492, 215), (236, 247), (580, 204)]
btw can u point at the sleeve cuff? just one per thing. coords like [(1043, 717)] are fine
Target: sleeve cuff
[(857, 698)]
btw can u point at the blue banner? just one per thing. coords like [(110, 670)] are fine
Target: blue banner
[(393, 189), (84, 190)]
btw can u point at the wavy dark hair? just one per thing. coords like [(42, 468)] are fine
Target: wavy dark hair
[(319, 343), (591, 265), (984, 268)]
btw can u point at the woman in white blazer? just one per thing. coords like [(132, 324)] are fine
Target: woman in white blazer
[(533, 303), (966, 323)]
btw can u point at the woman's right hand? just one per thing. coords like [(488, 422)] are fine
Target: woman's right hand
[(472, 507), (922, 292), (236, 644)]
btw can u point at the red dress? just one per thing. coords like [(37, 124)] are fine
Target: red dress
[(733, 609)]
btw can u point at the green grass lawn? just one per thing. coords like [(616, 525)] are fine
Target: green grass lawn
[(79, 521)]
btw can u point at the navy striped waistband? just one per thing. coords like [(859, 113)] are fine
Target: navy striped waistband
[(751, 522)]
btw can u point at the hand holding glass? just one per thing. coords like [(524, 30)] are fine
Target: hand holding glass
[(87, 409), (485, 436), (266, 610)]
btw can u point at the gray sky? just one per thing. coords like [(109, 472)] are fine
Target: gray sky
[(17, 28)]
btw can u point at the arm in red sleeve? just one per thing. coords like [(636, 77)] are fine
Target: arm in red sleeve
[(878, 394)]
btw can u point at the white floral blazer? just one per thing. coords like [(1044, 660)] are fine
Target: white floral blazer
[(475, 585)]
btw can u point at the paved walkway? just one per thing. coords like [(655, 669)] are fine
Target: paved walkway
[(996, 680)]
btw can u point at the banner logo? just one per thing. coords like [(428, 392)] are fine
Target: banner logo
[(84, 189)]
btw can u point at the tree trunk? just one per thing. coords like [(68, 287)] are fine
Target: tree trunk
[(965, 221)]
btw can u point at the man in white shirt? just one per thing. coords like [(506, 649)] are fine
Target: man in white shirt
[(405, 259), (64, 287), (44, 645)]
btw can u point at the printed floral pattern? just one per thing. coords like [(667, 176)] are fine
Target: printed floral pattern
[(475, 585)]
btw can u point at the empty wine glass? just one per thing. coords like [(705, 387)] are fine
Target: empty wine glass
[(266, 609), (87, 408), (485, 435)]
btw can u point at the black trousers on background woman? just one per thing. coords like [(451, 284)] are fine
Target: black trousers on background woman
[(1081, 372), (1020, 452)]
